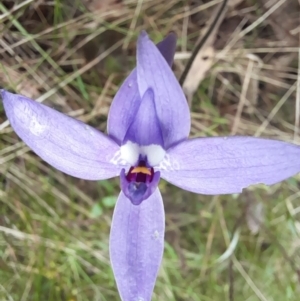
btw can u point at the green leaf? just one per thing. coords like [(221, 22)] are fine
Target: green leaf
[(109, 201), (96, 211)]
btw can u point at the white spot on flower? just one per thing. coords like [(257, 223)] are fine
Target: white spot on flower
[(154, 153), (89, 129), (168, 163), (36, 126), (156, 235), (117, 159), (32, 118), (130, 152)]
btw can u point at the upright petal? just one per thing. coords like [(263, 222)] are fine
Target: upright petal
[(145, 128), (127, 100), (67, 144), (167, 47), (123, 108), (136, 246), (227, 165), (171, 105)]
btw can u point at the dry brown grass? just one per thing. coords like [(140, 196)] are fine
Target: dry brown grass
[(73, 55)]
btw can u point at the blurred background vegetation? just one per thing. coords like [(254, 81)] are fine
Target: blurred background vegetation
[(73, 55)]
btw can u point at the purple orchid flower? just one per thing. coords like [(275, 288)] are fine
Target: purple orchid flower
[(148, 128)]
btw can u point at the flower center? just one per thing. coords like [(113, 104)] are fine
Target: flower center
[(139, 182), (140, 173), (131, 152)]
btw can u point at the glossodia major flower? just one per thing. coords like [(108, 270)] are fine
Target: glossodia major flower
[(148, 128)]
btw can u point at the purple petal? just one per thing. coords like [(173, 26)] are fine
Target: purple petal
[(171, 105), (136, 246), (67, 144), (167, 47), (227, 165), (145, 128), (127, 100), (123, 108)]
